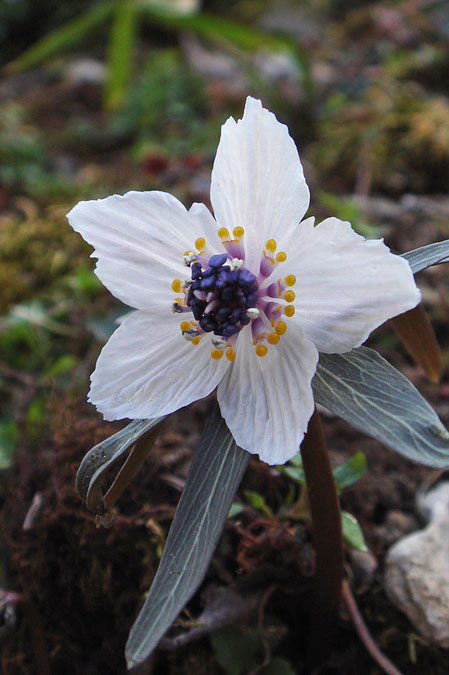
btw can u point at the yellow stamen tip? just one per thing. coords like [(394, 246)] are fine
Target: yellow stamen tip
[(273, 338), (188, 253), (216, 354), (185, 326), (271, 245), (281, 257), (196, 340), (230, 354), (179, 301), (238, 232), (289, 310), (289, 296), (261, 350), (176, 285), (290, 280), (280, 327), (223, 233), (200, 243)]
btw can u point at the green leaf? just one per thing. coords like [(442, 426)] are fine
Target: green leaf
[(63, 38), (278, 666), (297, 461), (214, 476), (36, 414), (120, 54), (85, 281), (352, 532), (366, 391), (426, 256), (100, 458), (235, 510), (294, 469), (293, 472), (351, 471), (9, 431), (238, 648), (258, 502), (234, 649), (62, 365)]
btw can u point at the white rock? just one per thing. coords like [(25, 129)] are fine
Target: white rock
[(84, 71), (434, 505), (417, 570)]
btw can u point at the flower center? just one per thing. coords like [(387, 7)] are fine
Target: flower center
[(224, 296)]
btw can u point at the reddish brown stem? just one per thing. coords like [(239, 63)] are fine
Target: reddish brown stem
[(327, 536), (417, 334), (364, 634)]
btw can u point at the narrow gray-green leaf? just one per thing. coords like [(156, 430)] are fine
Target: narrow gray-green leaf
[(212, 481), (366, 391), (101, 456), (425, 256)]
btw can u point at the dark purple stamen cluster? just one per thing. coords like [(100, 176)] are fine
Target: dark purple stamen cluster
[(227, 294)]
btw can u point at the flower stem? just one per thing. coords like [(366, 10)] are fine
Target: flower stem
[(364, 634), (328, 541)]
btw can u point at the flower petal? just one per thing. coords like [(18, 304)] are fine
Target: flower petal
[(257, 180), (140, 239), (148, 369), (346, 285), (267, 402)]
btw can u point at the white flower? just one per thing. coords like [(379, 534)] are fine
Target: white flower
[(267, 292)]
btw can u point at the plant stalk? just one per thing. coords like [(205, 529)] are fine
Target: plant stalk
[(328, 541)]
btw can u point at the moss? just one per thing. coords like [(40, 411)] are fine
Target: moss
[(396, 134), (35, 252)]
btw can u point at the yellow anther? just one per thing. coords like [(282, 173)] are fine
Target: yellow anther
[(271, 245), (238, 232), (223, 233), (289, 310), (230, 354), (261, 350), (176, 285), (196, 340), (216, 354), (185, 326), (189, 253), (289, 296), (273, 338), (200, 243), (280, 327), (281, 257), (290, 280), (178, 301)]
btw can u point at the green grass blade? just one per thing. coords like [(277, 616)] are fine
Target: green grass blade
[(63, 38), (227, 33), (120, 54), (213, 478)]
